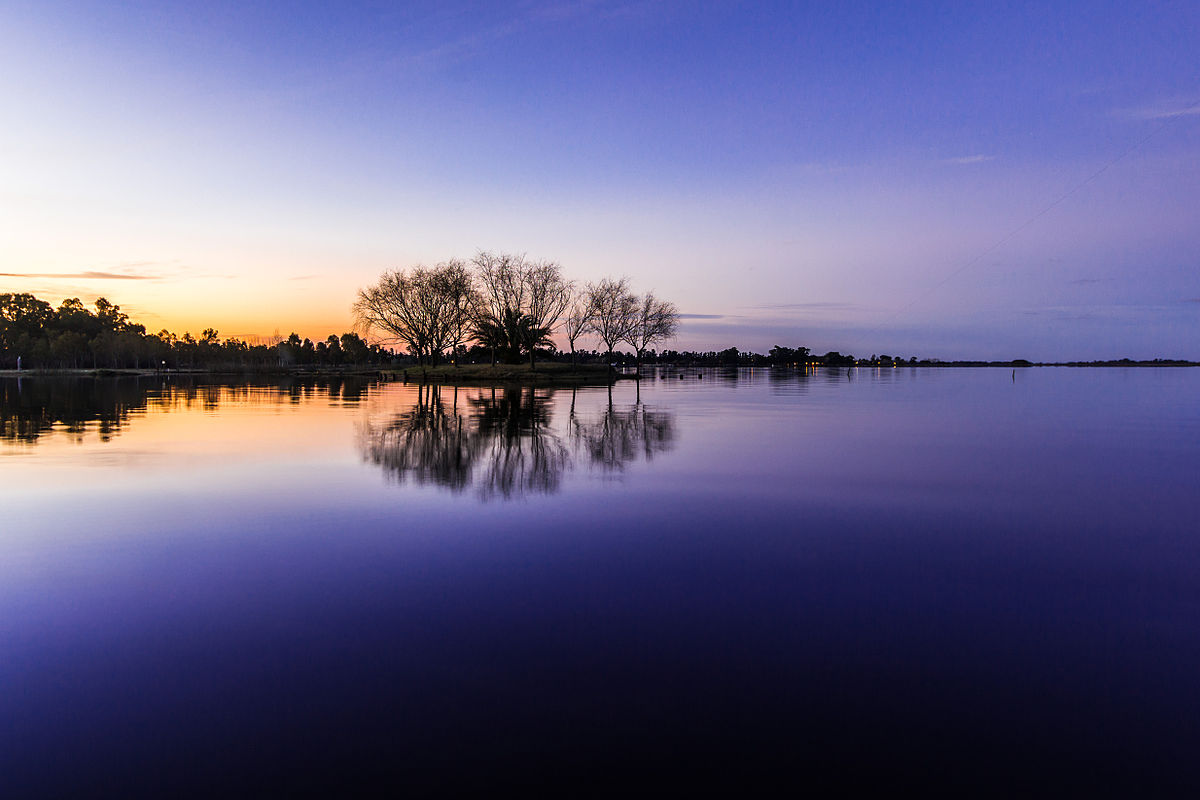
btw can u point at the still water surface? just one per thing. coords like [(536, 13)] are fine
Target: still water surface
[(960, 578)]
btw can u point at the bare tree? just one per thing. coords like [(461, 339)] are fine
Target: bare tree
[(549, 294), (501, 298), (389, 309), (613, 307), (521, 301), (577, 319), (653, 320), (460, 303), (501, 284), (427, 309)]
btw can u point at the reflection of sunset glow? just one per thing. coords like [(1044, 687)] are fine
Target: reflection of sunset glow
[(500, 441), (206, 427)]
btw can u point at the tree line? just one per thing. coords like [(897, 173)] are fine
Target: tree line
[(777, 356), (494, 307), (510, 306), (34, 334)]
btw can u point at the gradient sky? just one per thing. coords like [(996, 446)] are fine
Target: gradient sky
[(914, 179)]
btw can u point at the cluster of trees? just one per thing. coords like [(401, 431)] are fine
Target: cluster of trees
[(335, 351), (778, 356), (35, 334), (71, 335), (508, 305)]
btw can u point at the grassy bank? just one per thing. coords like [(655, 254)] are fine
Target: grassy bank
[(547, 374)]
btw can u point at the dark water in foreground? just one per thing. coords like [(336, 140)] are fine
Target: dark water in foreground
[(939, 578)]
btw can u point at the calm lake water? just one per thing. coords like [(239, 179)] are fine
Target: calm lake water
[(957, 578)]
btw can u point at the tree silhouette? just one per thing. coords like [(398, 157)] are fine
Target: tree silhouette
[(652, 320), (613, 307)]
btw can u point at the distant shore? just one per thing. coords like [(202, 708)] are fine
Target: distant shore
[(548, 373), (545, 374), (1021, 363)]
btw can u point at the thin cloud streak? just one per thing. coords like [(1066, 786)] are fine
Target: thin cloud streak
[(136, 264), (473, 45), (89, 275), (972, 159), (817, 306), (1164, 111)]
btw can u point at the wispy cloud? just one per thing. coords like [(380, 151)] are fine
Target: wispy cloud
[(702, 316), (1166, 110), (817, 306), (90, 275), (569, 10), (477, 43), (977, 158), (462, 48), (1061, 314), (1124, 313), (139, 314), (302, 277), (562, 10), (820, 168)]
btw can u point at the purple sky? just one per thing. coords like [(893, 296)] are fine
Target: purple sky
[(916, 179)]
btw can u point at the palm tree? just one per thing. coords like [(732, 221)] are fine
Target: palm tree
[(530, 336), (514, 333), (490, 333)]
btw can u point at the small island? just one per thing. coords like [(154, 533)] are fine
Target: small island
[(547, 373)]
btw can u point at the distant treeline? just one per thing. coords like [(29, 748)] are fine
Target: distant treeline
[(730, 357), (76, 337), (34, 334)]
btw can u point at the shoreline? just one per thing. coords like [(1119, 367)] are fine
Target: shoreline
[(548, 373)]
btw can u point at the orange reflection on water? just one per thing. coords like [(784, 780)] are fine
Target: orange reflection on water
[(76, 427)]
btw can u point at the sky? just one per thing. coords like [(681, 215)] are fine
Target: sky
[(926, 179)]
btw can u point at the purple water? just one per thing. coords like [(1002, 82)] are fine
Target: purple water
[(961, 579)]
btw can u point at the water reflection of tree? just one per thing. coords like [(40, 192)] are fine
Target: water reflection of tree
[(504, 443), (32, 408), (523, 452), (500, 441), (618, 436), (427, 443)]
